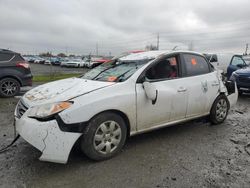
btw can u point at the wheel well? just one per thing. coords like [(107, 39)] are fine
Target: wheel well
[(221, 93), (123, 115), (13, 78)]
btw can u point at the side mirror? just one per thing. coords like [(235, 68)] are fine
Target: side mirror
[(240, 66), (151, 91)]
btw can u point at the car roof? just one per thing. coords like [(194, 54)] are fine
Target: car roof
[(152, 55), (6, 51)]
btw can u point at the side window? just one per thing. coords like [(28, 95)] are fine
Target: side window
[(237, 61), (5, 56), (195, 65), (164, 69)]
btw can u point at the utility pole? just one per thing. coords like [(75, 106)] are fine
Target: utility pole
[(97, 49), (158, 41), (246, 49)]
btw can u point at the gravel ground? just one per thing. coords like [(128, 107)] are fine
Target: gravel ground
[(40, 69), (193, 154)]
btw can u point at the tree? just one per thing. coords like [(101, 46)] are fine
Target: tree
[(47, 54), (61, 55)]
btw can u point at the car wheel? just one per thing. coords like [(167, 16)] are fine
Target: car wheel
[(9, 87), (240, 92), (219, 110), (104, 136)]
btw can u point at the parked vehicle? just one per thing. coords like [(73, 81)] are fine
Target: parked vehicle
[(241, 76), (29, 59), (131, 95), (72, 63), (14, 73), (55, 61), (224, 62), (86, 61), (47, 61), (39, 60), (94, 63)]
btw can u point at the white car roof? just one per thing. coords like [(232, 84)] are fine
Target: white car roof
[(142, 55), (151, 55)]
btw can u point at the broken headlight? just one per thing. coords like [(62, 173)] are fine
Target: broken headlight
[(47, 111), (233, 77)]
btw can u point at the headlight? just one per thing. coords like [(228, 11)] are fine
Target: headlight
[(233, 76), (48, 110)]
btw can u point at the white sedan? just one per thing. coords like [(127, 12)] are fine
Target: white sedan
[(134, 94), (72, 63)]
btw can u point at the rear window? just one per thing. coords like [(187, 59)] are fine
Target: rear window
[(195, 65), (11, 57), (6, 56)]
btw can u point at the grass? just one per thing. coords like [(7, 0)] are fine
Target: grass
[(53, 77)]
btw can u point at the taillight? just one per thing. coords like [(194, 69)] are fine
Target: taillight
[(23, 64)]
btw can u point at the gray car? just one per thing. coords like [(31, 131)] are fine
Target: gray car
[(14, 73)]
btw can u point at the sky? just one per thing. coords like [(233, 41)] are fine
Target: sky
[(115, 26)]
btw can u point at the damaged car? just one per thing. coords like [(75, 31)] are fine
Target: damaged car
[(124, 97)]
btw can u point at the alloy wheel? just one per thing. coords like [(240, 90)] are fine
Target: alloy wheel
[(221, 109), (9, 88)]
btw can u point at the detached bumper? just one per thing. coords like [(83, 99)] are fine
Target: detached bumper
[(47, 137)]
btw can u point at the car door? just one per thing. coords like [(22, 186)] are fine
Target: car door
[(170, 105), (201, 83), (236, 63)]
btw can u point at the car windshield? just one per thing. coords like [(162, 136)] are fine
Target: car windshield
[(115, 71)]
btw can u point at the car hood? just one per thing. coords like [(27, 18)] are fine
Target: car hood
[(244, 71), (62, 90)]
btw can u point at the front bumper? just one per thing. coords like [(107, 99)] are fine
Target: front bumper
[(47, 137)]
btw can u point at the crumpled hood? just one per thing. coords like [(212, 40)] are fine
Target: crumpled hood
[(244, 71), (62, 90)]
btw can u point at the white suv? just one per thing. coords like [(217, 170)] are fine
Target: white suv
[(131, 95)]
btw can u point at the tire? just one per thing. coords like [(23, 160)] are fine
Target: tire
[(219, 110), (9, 87), (100, 141)]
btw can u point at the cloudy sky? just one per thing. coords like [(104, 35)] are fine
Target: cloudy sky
[(115, 26)]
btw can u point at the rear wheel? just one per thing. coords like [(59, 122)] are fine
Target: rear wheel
[(9, 87), (104, 137), (219, 110)]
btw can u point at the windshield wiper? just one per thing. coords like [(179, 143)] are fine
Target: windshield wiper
[(123, 74), (106, 70)]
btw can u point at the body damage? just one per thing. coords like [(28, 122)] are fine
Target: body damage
[(90, 98), (62, 90)]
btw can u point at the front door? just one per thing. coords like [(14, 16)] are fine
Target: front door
[(236, 63), (171, 101)]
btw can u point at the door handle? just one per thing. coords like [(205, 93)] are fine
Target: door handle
[(182, 89)]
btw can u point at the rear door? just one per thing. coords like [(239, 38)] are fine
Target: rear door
[(202, 84)]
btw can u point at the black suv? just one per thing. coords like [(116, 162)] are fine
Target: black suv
[(14, 73)]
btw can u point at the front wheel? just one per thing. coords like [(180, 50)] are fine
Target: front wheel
[(219, 110), (104, 136)]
